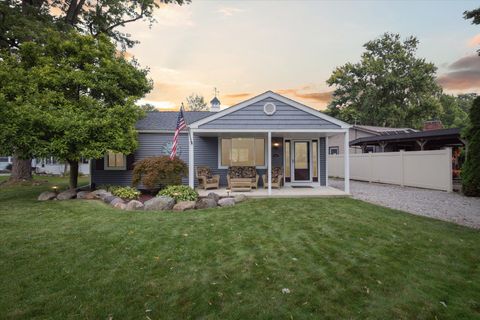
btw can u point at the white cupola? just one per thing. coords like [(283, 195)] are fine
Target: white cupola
[(215, 103)]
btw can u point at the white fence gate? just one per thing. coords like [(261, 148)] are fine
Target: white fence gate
[(424, 169)]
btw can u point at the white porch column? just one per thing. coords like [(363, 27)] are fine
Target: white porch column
[(269, 169), (326, 161), (346, 158), (191, 164)]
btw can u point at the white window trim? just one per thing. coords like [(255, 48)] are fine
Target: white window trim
[(219, 152), (334, 148), (106, 167)]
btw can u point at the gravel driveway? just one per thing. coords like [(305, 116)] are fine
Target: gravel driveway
[(452, 207)]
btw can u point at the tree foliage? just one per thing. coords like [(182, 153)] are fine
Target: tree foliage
[(390, 86), (472, 14), (156, 172), (453, 113), (196, 102), (69, 96), (94, 17), (471, 167)]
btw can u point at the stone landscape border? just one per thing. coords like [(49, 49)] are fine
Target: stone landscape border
[(159, 203)]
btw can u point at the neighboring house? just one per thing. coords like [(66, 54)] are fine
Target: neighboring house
[(335, 143), (4, 162), (49, 165), (266, 131), (52, 166)]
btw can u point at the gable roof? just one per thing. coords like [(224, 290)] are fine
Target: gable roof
[(260, 97), (167, 120)]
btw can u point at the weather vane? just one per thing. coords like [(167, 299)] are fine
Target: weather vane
[(215, 92)]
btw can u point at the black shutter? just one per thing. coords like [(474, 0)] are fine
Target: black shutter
[(99, 164), (130, 161)]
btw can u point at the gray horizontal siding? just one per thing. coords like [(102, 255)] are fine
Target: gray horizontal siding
[(285, 117), (205, 154), (150, 144)]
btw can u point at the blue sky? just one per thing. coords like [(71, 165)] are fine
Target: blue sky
[(247, 47)]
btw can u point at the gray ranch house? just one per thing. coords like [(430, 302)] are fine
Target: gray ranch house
[(268, 132)]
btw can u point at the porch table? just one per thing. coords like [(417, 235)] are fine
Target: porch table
[(241, 184)]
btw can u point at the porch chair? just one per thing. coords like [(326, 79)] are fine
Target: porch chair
[(205, 178), (243, 172), (277, 178)]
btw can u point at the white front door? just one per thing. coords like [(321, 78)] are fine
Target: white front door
[(301, 157)]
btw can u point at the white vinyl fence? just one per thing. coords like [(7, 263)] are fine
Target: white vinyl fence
[(424, 169)]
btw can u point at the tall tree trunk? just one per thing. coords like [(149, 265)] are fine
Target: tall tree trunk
[(21, 170), (73, 173)]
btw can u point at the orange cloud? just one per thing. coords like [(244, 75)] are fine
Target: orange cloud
[(323, 97), (237, 95), (474, 41), (464, 74)]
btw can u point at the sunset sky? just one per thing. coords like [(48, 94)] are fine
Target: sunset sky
[(291, 47)]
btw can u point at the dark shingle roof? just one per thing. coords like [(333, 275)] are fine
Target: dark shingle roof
[(388, 136), (167, 120)]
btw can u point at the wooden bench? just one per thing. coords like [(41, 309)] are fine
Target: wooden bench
[(241, 184)]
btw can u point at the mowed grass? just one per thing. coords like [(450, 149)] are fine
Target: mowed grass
[(339, 258)]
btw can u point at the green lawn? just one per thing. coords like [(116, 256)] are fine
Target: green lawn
[(340, 259)]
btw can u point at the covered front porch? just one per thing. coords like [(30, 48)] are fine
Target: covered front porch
[(300, 156)]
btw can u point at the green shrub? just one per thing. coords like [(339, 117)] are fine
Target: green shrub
[(471, 167), (108, 187), (179, 193), (127, 193), (157, 172)]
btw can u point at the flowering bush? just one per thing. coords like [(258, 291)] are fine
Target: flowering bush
[(179, 193), (127, 193)]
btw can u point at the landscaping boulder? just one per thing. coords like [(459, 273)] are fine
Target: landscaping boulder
[(239, 198), (68, 194), (205, 203), (116, 200), (85, 195), (99, 193), (184, 206), (108, 199), (226, 202), (134, 205), (47, 195), (214, 196), (120, 205), (159, 203)]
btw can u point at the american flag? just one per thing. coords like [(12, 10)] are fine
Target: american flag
[(180, 126)]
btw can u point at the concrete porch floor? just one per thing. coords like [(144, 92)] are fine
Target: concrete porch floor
[(284, 192)]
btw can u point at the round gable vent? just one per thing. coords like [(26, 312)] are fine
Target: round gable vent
[(269, 108)]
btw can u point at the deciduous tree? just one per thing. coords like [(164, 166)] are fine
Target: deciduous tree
[(390, 86), (27, 20), (78, 95), (196, 102)]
